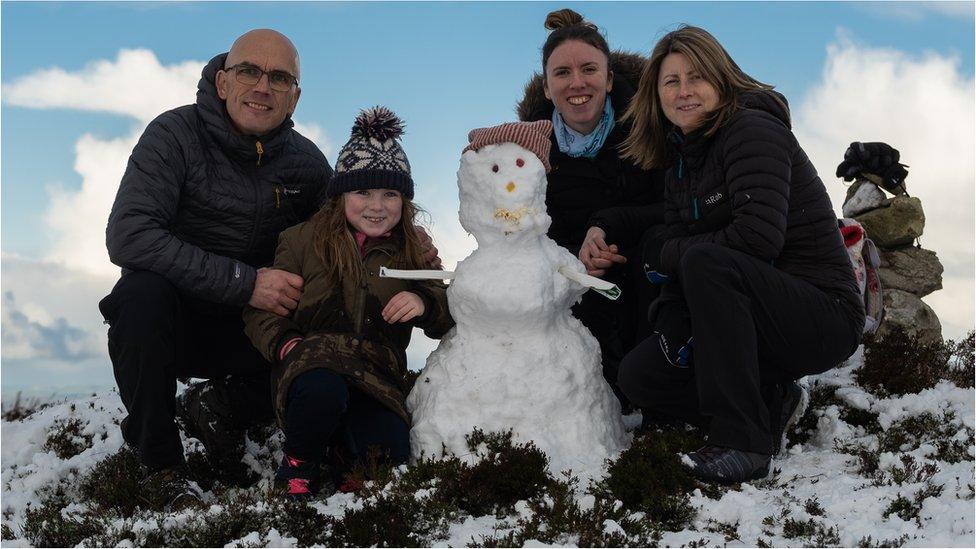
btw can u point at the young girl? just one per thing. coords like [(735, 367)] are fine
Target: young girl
[(339, 357)]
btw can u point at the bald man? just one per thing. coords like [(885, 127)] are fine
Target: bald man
[(207, 190)]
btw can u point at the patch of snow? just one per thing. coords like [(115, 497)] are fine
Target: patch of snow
[(611, 527)]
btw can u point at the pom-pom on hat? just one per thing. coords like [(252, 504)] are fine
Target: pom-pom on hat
[(373, 157), (533, 136)]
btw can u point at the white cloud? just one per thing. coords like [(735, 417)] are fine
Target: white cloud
[(135, 84), (917, 11), (316, 135), (76, 219), (954, 8), (24, 337), (924, 107), (50, 312), (453, 243)]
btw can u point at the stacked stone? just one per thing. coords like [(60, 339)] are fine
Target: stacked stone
[(908, 272)]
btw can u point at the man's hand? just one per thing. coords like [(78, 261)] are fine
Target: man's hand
[(596, 255), (276, 291), (403, 307), (427, 248)]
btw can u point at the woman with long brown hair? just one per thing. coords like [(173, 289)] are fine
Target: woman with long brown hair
[(758, 289)]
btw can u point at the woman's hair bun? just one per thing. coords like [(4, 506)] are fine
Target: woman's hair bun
[(566, 18)]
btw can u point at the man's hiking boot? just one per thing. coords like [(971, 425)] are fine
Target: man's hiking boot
[(297, 479), (203, 412), (726, 465), (794, 402), (169, 489)]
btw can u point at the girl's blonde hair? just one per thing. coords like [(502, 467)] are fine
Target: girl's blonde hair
[(647, 142), (336, 246)]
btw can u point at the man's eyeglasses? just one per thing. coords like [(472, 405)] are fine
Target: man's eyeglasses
[(249, 75)]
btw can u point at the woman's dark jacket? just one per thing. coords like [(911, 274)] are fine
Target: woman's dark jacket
[(203, 205), (751, 187), (582, 192)]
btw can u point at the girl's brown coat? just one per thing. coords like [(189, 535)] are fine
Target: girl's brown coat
[(341, 324)]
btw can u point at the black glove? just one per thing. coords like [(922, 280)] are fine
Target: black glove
[(878, 159), (651, 256), (678, 352), (672, 326)]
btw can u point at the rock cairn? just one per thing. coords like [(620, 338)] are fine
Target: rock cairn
[(908, 272)]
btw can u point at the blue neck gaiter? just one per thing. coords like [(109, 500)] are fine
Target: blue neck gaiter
[(575, 144)]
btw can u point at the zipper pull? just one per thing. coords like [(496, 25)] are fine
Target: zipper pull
[(277, 189), (260, 149), (681, 166), (694, 209)]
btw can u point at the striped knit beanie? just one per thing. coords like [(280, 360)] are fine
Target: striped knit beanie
[(533, 136), (373, 157)]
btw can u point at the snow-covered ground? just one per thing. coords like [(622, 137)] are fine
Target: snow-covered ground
[(815, 480)]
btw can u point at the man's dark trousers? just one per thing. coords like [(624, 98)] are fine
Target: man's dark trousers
[(754, 327), (156, 335)]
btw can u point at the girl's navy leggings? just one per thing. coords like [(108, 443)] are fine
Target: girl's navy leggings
[(323, 410)]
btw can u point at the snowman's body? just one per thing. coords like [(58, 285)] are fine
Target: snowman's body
[(517, 358)]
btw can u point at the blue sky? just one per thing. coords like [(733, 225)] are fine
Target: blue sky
[(852, 71)]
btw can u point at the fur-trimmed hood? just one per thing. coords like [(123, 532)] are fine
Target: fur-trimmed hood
[(627, 68)]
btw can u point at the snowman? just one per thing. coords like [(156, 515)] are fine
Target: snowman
[(517, 359)]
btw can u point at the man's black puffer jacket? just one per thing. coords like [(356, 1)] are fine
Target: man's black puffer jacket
[(199, 205), (751, 187), (582, 191)]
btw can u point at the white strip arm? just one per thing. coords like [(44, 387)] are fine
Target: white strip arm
[(431, 274), (602, 287)]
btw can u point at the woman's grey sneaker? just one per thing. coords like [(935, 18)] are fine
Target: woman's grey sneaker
[(795, 401), (726, 465)]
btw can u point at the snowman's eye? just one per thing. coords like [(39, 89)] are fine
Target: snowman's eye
[(519, 162), (495, 168)]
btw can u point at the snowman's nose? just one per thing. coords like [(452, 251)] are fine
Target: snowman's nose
[(510, 187)]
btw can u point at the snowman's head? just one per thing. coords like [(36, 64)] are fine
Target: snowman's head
[(502, 192)]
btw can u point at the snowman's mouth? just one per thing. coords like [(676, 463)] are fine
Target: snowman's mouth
[(513, 217)]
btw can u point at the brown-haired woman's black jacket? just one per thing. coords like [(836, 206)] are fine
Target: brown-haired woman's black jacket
[(751, 187)]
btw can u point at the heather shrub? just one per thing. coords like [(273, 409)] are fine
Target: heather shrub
[(113, 483), (23, 409), (900, 364), (66, 439), (650, 477)]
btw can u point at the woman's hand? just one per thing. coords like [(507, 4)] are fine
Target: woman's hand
[(596, 255), (403, 307)]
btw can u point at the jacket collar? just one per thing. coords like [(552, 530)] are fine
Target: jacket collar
[(691, 147), (213, 111)]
